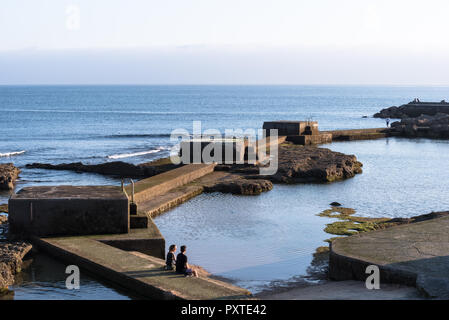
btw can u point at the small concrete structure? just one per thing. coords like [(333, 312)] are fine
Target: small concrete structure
[(229, 150), (298, 132), (69, 210), (292, 128)]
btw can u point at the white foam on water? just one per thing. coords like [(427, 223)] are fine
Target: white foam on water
[(135, 154), (13, 153)]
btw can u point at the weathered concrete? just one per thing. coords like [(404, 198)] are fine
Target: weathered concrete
[(291, 128), (311, 139), (147, 240), (68, 210), (345, 290), (149, 188), (160, 204), (143, 275), (359, 134), (216, 150), (414, 254)]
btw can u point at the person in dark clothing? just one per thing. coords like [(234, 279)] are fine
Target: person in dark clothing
[(171, 260), (182, 265)]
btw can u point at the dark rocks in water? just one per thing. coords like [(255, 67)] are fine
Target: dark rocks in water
[(116, 168), (414, 109), (236, 184), (364, 117), (335, 204), (301, 164), (8, 175), (426, 126), (11, 255)]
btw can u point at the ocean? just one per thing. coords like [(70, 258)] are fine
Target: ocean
[(257, 242)]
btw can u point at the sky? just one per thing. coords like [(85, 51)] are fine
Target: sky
[(224, 42)]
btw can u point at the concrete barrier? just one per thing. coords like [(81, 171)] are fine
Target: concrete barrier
[(68, 210), (152, 187)]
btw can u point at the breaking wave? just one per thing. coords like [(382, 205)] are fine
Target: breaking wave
[(10, 154), (136, 154)]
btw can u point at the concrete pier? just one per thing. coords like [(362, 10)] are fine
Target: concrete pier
[(415, 254)]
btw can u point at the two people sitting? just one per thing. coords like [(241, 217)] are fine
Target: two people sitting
[(179, 263)]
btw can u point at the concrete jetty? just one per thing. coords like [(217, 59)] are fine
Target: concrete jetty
[(414, 254), (141, 274)]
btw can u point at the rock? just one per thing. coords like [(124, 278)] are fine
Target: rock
[(115, 168), (8, 175), (414, 109), (299, 164), (11, 255), (4, 208), (236, 184), (436, 126), (335, 204)]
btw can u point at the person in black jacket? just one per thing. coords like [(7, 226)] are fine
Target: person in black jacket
[(171, 260), (182, 265)]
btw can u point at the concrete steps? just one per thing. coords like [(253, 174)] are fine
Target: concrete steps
[(160, 184)]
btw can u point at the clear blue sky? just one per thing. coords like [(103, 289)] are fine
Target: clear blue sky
[(229, 42)]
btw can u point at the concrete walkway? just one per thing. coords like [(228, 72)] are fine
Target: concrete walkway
[(346, 290), (415, 254), (136, 272)]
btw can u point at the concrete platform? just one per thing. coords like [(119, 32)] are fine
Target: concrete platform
[(415, 254), (359, 134), (68, 210), (157, 185), (143, 275)]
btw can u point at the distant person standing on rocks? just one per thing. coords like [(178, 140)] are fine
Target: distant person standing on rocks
[(171, 260), (387, 121), (182, 266)]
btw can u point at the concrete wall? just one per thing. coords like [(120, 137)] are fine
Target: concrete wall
[(51, 211), (157, 185), (286, 128)]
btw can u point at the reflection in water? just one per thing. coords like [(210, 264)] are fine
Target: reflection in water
[(270, 239), (44, 278)]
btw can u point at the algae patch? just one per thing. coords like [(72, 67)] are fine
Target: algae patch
[(349, 224)]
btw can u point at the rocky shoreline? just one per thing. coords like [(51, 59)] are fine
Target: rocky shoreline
[(8, 176), (419, 119), (11, 258), (413, 109), (426, 126), (116, 168)]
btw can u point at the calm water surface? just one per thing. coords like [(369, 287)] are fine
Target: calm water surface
[(269, 239)]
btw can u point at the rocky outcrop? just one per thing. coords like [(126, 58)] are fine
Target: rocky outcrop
[(436, 126), (11, 255), (414, 109), (8, 175), (238, 185), (116, 168), (299, 164)]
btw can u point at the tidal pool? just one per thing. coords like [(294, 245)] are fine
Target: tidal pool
[(269, 240), (44, 278)]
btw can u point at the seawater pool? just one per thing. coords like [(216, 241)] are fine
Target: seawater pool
[(269, 240)]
